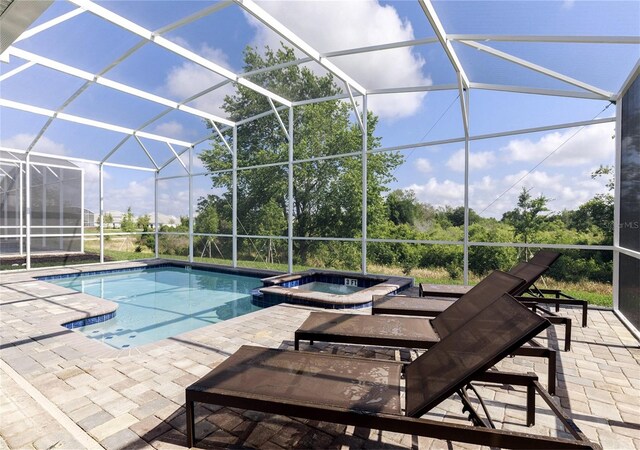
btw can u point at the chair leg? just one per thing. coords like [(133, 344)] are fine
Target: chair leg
[(191, 426), (537, 351), (566, 321), (531, 405)]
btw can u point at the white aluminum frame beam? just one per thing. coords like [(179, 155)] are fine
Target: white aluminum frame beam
[(536, 91), (98, 79), (80, 90), (277, 114), (355, 108), (221, 136), (365, 178), (17, 70), (549, 38), (251, 7), (175, 48), (432, 16), (89, 122), (184, 166), (124, 56), (635, 72), (51, 23), (146, 151), (540, 69), (290, 196), (72, 159)]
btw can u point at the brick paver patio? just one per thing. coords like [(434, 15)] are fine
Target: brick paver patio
[(62, 390)]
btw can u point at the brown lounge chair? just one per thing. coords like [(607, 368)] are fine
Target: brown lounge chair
[(419, 332), (543, 259), (430, 307), (367, 393)]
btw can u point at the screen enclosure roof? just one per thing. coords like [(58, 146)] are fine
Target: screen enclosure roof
[(146, 80)]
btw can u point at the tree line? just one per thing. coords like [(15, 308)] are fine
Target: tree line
[(327, 193)]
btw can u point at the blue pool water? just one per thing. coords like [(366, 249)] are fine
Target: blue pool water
[(161, 302), (329, 288)]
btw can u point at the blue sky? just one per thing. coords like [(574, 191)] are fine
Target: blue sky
[(433, 173)]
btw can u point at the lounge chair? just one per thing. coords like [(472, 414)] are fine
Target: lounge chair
[(544, 259), (418, 332), (367, 392), (432, 306)]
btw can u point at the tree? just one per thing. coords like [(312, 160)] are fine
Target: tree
[(528, 217), (456, 216), (402, 206), (327, 197), (598, 212), (127, 223), (206, 220), (108, 219), (144, 222), (484, 259)]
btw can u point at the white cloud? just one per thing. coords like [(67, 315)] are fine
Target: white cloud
[(188, 79), (44, 145), (439, 193), (135, 194), (477, 160), (350, 25), (568, 4), (589, 145), (487, 195), (171, 129), (423, 165)]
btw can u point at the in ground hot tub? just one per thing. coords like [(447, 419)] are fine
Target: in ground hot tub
[(328, 289)]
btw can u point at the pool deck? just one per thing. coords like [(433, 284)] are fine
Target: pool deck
[(60, 389)]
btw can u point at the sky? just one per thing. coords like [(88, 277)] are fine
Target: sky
[(555, 163)]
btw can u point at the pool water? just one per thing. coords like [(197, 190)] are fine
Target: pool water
[(329, 288), (162, 302)]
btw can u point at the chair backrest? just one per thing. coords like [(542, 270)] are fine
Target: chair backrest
[(544, 258), (491, 335), (478, 298), (529, 272)]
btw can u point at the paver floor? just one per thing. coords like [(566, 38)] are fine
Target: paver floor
[(134, 398)]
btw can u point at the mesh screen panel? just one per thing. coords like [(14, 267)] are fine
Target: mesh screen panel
[(478, 298), (490, 336)]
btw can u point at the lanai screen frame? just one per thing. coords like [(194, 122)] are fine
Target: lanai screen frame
[(354, 92)]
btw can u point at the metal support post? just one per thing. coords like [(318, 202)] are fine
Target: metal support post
[(155, 218), (82, 211), (60, 211), (364, 183), (616, 207), (43, 239), (28, 203), (290, 197), (465, 112), (101, 200), (234, 201), (190, 205), (21, 209)]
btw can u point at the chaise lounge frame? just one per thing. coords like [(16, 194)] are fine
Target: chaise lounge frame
[(367, 393), (419, 332)]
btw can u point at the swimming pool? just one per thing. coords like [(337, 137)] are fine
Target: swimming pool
[(157, 303)]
